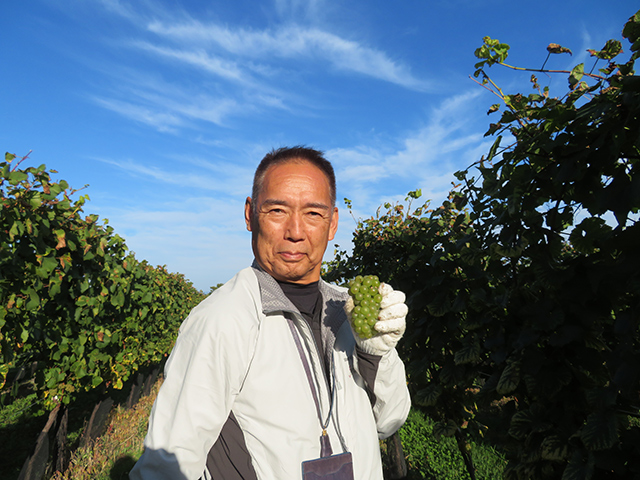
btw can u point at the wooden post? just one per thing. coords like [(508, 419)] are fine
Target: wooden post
[(397, 465), (35, 466), (97, 422)]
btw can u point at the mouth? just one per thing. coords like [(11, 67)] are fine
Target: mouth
[(292, 256)]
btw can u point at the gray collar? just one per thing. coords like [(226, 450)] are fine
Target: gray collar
[(274, 301)]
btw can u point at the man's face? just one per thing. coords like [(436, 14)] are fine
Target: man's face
[(294, 222)]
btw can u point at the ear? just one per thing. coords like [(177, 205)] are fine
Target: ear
[(333, 228), (248, 213)]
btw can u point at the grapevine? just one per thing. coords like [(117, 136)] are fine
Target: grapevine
[(77, 309)]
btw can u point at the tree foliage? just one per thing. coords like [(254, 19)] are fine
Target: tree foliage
[(76, 307), (524, 286)]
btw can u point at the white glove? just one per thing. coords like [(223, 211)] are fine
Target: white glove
[(391, 322)]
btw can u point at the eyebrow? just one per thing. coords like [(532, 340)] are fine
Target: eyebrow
[(275, 201)]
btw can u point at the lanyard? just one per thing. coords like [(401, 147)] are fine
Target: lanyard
[(325, 444)]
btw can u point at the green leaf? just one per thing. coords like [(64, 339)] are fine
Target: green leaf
[(117, 300), (445, 429), (494, 148), (576, 75), (525, 422), (428, 397), (52, 379), (461, 174), (509, 379), (589, 233), (552, 448), (79, 369), (579, 468), (48, 265), (631, 30), (611, 49), (470, 352), (14, 231), (4, 371), (439, 305), (34, 300), (36, 200), (17, 176), (601, 431)]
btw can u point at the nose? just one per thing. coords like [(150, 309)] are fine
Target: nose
[(294, 231)]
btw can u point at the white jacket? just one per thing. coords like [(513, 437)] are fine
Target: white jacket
[(235, 354)]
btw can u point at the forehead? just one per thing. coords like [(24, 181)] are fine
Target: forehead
[(295, 177)]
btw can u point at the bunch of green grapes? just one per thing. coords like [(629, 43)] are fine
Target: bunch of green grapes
[(366, 298)]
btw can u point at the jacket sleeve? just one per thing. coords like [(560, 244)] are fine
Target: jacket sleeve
[(390, 394), (203, 376)]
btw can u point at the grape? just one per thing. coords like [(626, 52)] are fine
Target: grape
[(366, 298)]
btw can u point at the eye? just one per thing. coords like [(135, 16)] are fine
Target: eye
[(275, 211)]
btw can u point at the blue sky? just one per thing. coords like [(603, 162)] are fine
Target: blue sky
[(164, 108)]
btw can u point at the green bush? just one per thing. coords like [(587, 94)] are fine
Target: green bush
[(439, 459), (77, 309)]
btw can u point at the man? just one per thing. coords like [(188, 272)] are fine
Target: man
[(236, 402)]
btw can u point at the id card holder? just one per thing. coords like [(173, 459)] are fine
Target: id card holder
[(334, 467)]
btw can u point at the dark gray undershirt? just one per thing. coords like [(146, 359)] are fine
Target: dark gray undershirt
[(308, 301)]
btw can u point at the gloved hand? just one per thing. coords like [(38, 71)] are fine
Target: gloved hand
[(391, 322)]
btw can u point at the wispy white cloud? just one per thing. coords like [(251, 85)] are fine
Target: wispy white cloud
[(167, 114), (198, 58), (169, 107), (119, 8), (242, 71), (231, 181), (162, 121), (203, 107), (255, 91), (292, 42), (307, 9), (434, 147), (425, 159)]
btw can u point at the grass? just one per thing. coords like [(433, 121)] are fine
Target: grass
[(428, 458), (20, 423)]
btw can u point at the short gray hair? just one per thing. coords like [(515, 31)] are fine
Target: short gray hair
[(297, 154)]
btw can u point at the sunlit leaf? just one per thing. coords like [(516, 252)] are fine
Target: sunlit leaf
[(576, 75)]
